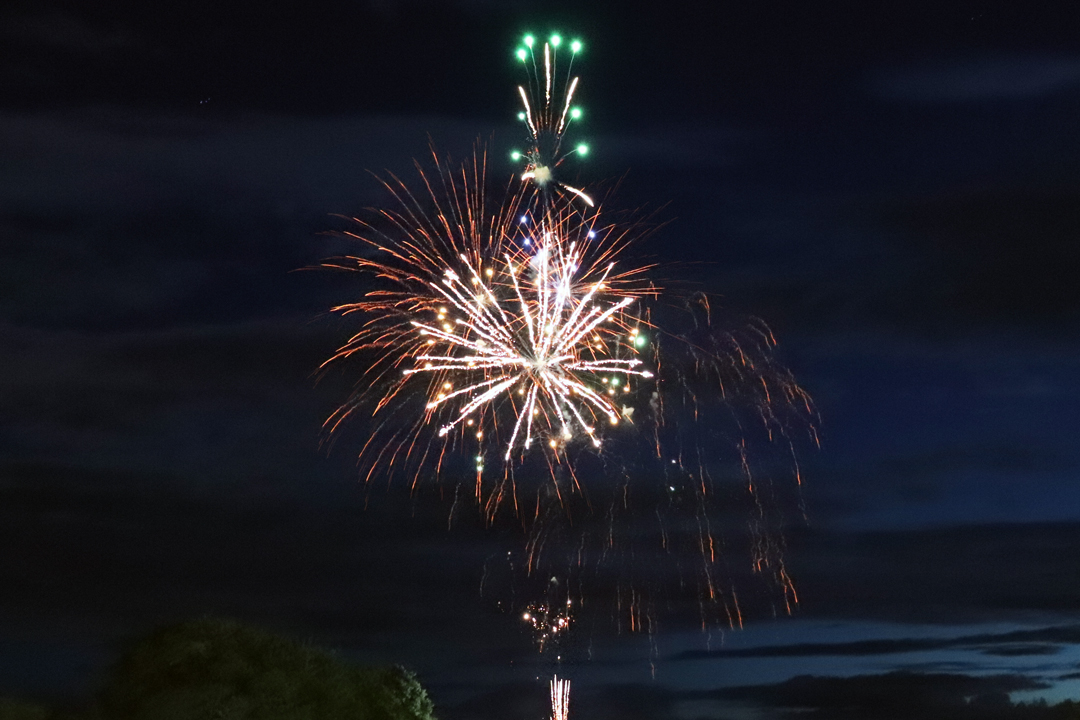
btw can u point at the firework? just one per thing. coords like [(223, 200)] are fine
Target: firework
[(541, 341), (560, 698), (511, 332), (548, 112), (519, 328), (549, 622), (516, 323)]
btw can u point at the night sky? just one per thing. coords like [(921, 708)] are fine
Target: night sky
[(894, 187)]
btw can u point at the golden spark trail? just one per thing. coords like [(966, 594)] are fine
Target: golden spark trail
[(494, 314), (514, 330)]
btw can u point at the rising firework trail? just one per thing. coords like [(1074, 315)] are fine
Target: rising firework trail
[(560, 698)]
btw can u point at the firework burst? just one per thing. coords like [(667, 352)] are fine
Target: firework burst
[(548, 112), (512, 333), (549, 622), (519, 328), (542, 340)]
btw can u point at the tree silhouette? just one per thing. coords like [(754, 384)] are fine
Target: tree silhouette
[(18, 710), (222, 670)]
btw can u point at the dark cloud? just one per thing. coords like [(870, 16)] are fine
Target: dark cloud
[(636, 702), (997, 458), (198, 403), (949, 263), (57, 30), (988, 478), (977, 263), (1010, 644), (1022, 650), (1017, 77), (304, 60), (159, 220), (106, 554), (745, 61), (967, 574), (937, 667), (892, 695)]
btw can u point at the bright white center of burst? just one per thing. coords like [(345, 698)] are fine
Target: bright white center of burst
[(533, 331), (541, 175)]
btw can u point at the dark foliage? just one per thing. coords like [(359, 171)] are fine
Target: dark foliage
[(18, 710), (221, 670)]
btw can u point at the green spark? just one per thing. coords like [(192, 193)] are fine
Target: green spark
[(640, 341), (522, 54), (529, 40), (555, 40), (575, 46), (515, 155), (575, 113), (583, 149)]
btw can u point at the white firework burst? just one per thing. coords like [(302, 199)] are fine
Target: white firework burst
[(538, 342)]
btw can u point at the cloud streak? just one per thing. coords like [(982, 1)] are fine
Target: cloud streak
[(1019, 642), (991, 78)]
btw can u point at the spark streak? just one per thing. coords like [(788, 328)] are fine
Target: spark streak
[(517, 324), (560, 698), (548, 119), (493, 355), (531, 322)]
